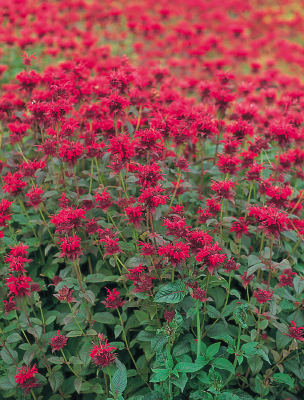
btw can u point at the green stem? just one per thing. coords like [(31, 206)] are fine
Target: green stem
[(169, 382), (110, 216), (129, 351), (198, 327), (33, 394), (92, 164), (112, 386), (75, 319), (228, 292), (237, 350), (68, 363)]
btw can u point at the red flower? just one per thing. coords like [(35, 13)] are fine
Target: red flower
[(113, 299), (286, 280), (134, 214), (122, 146), (224, 189), (169, 315), (152, 198), (19, 286), (141, 280), (211, 257), (246, 279), (26, 378), (70, 247), (65, 294), (102, 355), (5, 208), (111, 246), (296, 333), (231, 265), (34, 196), (240, 227), (254, 172), (58, 342), (102, 200), (228, 164), (148, 175), (91, 226), (272, 221), (262, 295), (70, 151), (14, 185), (10, 305), (175, 253), (68, 219)]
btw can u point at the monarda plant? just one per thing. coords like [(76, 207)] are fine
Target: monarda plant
[(151, 230)]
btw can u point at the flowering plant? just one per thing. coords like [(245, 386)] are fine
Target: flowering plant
[(151, 233)]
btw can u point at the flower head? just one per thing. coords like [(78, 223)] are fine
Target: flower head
[(113, 299), (103, 355), (58, 342)]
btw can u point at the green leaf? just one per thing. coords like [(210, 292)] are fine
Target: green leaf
[(50, 319), (160, 375), (117, 330), (95, 278), (283, 378), (56, 380), (9, 355), (84, 353), (282, 340), (180, 381), (74, 334), (119, 381), (172, 293), (77, 384), (187, 367), (13, 338), (104, 318), (255, 363), (222, 363), (158, 342), (213, 312), (56, 360), (145, 336), (212, 350)]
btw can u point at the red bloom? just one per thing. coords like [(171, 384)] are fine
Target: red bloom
[(10, 305), (262, 295), (102, 200), (169, 315), (5, 208), (254, 172), (224, 189), (70, 151), (240, 227), (134, 214), (231, 265), (102, 355), (113, 299), (148, 175), (26, 378), (68, 219), (65, 294), (91, 226), (141, 280), (34, 196), (228, 164), (14, 185), (152, 198), (296, 333), (211, 257), (19, 286), (111, 246), (122, 146), (246, 279), (58, 342), (70, 247), (272, 221), (175, 253), (286, 278), (147, 249)]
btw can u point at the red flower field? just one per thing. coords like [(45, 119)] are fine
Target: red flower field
[(151, 200)]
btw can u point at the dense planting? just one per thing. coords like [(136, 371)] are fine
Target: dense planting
[(151, 196)]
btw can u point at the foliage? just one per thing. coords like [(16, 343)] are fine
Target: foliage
[(151, 232)]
